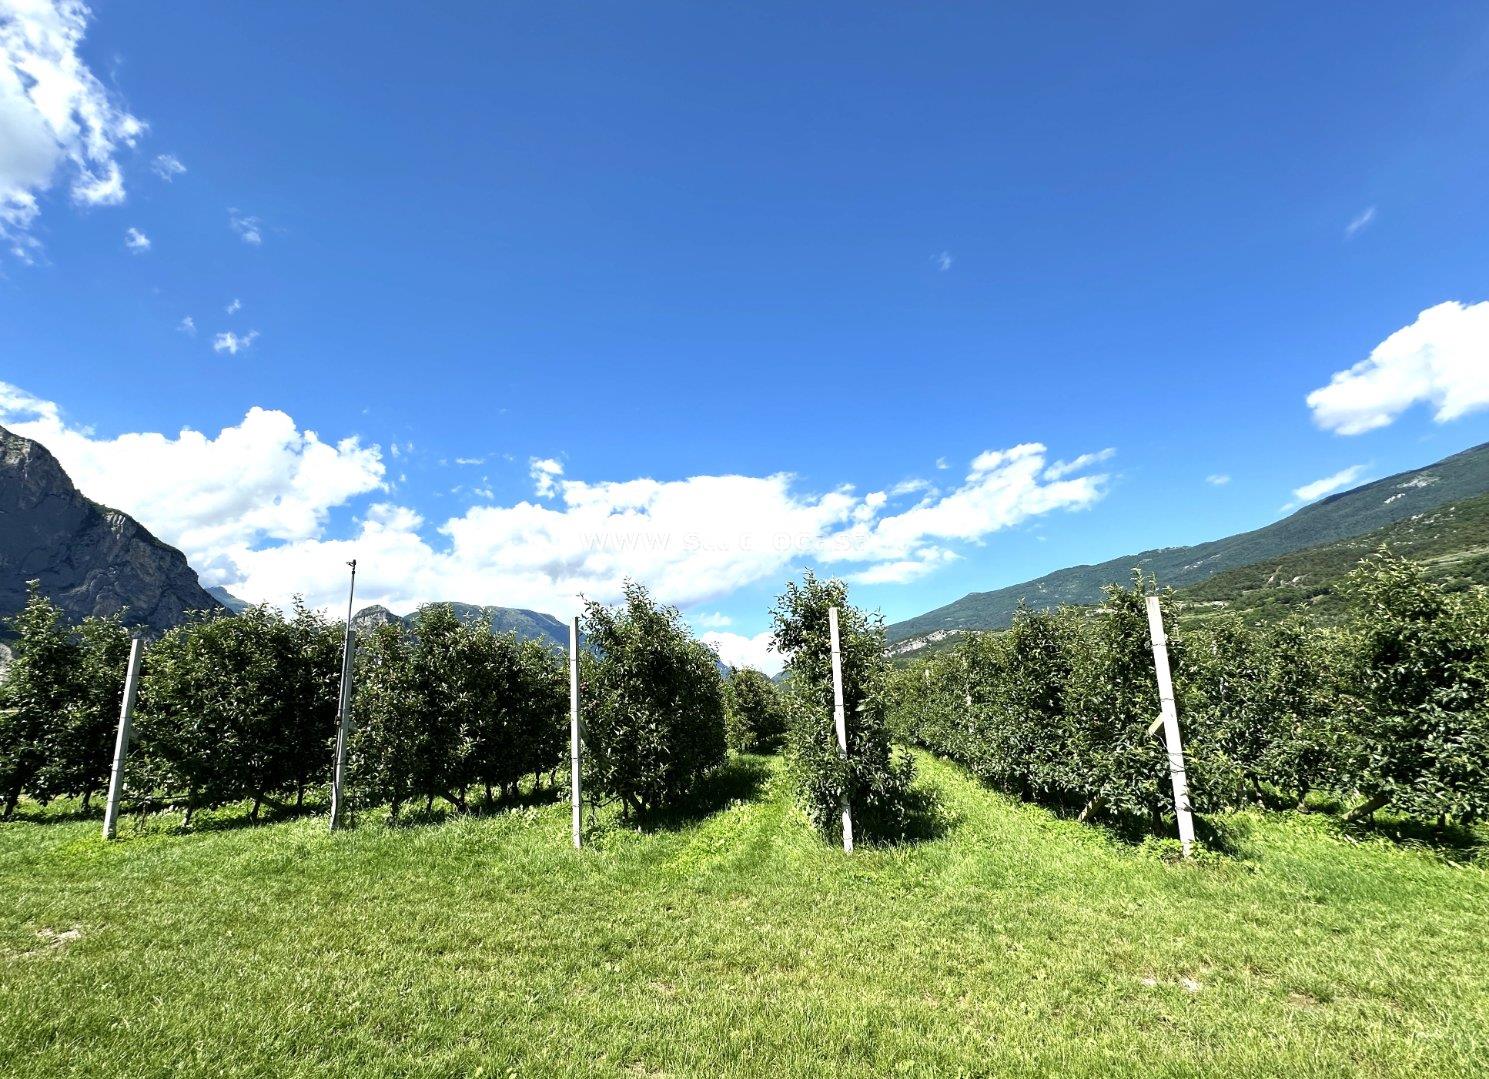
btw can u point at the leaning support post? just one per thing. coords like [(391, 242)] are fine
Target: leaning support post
[(577, 812), (121, 743), (343, 709), (1169, 718), (840, 721)]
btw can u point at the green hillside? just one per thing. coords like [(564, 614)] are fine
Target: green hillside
[(1347, 515), (1451, 542)]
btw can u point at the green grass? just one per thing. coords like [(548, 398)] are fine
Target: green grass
[(736, 943)]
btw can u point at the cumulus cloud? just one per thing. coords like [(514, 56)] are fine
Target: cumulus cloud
[(249, 229), (1345, 477), (232, 343), (737, 650), (251, 508), (167, 166), (217, 497), (1441, 359), (55, 118), (136, 241), (1359, 222)]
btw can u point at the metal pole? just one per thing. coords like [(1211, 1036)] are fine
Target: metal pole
[(840, 720), (343, 707), (1169, 717), (121, 743), (577, 812)]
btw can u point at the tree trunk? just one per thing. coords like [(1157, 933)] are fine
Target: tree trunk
[(12, 799), (300, 795), (1368, 807), (1093, 807), (1303, 800), (258, 801), (190, 809), (429, 804), (87, 798)]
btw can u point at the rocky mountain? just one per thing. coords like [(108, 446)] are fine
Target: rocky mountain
[(528, 625), (1339, 517), (91, 560), (227, 599)]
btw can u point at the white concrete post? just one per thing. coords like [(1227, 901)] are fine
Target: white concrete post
[(840, 720), (576, 812), (344, 708), (1169, 717), (121, 743)]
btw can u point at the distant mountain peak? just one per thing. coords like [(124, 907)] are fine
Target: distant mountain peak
[(90, 559)]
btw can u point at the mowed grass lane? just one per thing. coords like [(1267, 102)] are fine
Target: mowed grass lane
[(733, 944)]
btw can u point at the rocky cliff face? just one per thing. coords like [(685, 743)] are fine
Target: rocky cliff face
[(88, 558)]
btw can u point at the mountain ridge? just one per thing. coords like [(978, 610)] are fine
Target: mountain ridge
[(90, 559), (1340, 516)]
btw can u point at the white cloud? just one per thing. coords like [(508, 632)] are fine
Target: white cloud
[(55, 116), (545, 472), (1060, 469), (187, 326), (232, 344), (234, 306), (942, 463), (943, 261), (470, 460), (136, 241), (167, 166), (1345, 477), (1441, 359), (249, 229), (251, 508), (1217, 479), (737, 650), (218, 497), (1359, 222), (711, 620)]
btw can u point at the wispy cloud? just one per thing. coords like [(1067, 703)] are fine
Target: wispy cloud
[(545, 473), (234, 307), (249, 229), (1360, 221), (1060, 469), (470, 460), (187, 326), (167, 166), (1345, 477), (944, 261), (1217, 479), (56, 118), (136, 241), (232, 343)]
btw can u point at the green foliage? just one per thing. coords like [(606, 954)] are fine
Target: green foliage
[(652, 704), (1417, 676), (237, 706), (37, 689), (80, 738), (872, 777), (754, 714)]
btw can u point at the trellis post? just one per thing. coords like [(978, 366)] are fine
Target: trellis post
[(1169, 719), (343, 709), (840, 721), (121, 743), (576, 812)]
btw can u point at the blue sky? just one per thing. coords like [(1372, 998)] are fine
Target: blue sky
[(813, 273)]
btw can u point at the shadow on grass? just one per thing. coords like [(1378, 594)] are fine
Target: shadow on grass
[(1447, 839), (740, 780)]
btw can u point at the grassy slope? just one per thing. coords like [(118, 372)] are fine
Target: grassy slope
[(737, 944)]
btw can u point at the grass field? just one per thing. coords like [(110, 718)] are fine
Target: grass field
[(736, 943)]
